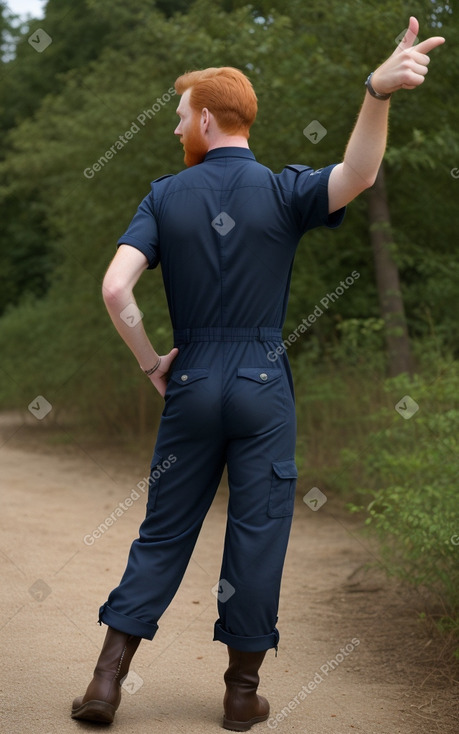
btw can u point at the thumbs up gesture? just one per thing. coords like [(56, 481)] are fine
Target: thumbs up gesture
[(406, 68)]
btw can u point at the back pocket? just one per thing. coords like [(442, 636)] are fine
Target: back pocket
[(186, 377), (187, 394), (282, 492), (262, 375)]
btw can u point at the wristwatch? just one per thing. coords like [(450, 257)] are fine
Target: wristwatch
[(372, 91)]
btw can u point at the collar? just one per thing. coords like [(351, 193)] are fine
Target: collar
[(229, 151)]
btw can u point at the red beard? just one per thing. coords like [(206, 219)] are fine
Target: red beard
[(194, 144)]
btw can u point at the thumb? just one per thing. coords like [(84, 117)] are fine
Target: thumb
[(169, 358), (166, 361), (410, 36)]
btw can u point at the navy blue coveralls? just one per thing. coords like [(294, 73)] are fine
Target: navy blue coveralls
[(225, 232)]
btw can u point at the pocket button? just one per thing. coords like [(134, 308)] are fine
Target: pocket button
[(263, 376), (184, 378)]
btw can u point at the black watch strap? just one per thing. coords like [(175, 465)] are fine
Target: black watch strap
[(372, 91)]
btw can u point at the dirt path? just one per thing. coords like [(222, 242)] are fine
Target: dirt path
[(352, 655)]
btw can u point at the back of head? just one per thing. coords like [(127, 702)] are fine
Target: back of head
[(226, 92)]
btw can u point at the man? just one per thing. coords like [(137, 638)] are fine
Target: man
[(225, 231)]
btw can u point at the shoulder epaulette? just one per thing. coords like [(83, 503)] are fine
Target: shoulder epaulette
[(297, 167), (167, 175)]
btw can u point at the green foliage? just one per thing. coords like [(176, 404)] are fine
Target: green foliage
[(59, 226), (409, 469), (400, 474), (107, 62), (335, 404)]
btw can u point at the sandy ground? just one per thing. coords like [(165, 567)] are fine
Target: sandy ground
[(393, 677)]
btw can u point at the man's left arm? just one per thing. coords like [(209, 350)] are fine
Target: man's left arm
[(405, 69)]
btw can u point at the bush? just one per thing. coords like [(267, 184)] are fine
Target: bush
[(409, 473)]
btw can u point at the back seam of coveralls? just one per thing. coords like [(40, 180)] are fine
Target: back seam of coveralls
[(220, 255)]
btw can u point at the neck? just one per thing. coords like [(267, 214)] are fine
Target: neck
[(229, 141)]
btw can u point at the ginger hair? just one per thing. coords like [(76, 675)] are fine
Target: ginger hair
[(226, 92)]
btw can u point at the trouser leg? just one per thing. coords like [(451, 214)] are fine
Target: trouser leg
[(177, 505), (262, 480)]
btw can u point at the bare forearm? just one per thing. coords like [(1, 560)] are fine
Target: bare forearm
[(126, 317), (367, 143), (363, 156)]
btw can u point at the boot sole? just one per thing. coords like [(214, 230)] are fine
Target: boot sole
[(243, 725), (99, 711)]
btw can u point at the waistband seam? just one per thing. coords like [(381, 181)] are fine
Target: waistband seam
[(227, 334)]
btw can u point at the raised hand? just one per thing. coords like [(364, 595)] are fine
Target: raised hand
[(406, 68)]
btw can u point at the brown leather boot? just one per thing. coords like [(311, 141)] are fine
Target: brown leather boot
[(243, 707), (103, 694)]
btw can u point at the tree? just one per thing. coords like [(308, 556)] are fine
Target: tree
[(388, 280), (60, 343), (339, 51)]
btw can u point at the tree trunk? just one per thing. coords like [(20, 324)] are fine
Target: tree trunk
[(388, 281)]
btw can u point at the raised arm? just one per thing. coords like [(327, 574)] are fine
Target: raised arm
[(123, 273), (404, 69)]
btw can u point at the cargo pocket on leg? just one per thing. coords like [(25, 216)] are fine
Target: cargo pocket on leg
[(282, 492)]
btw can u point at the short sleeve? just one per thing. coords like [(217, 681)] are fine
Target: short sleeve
[(142, 232), (310, 200)]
